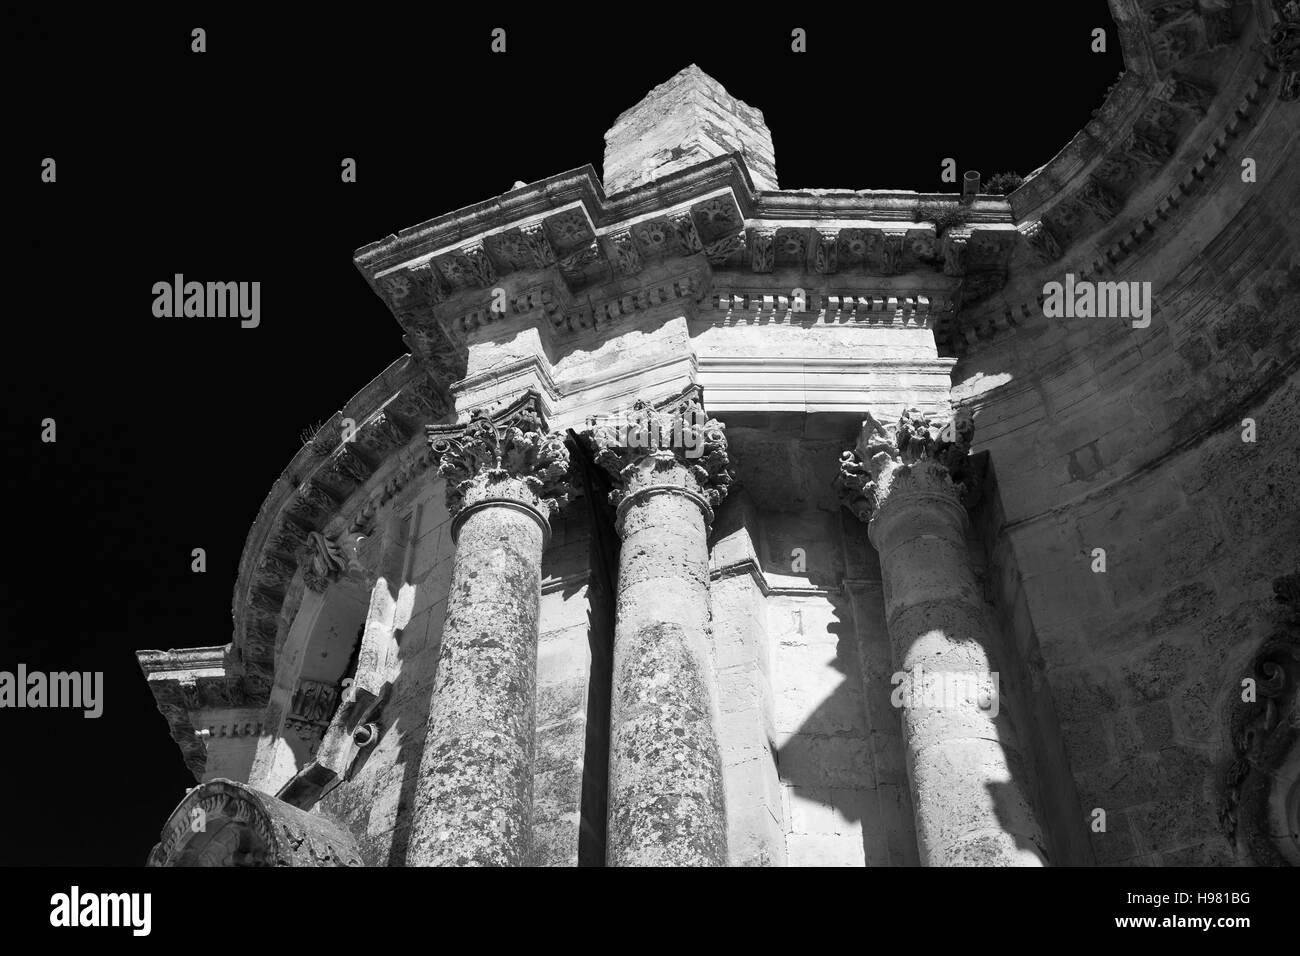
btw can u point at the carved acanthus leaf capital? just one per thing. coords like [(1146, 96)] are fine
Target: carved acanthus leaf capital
[(938, 447), (648, 444), (495, 451)]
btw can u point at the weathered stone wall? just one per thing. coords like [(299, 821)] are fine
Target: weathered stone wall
[(681, 123), (811, 743), (563, 678), (377, 802), (1105, 436)]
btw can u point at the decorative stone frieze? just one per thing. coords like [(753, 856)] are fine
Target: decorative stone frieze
[(1284, 47), (311, 708), (1181, 29), (1042, 242), (1188, 95), (570, 231), (539, 245), (187, 681), (582, 265), (243, 827), (1150, 147), (670, 469), (594, 314), (826, 254), (723, 250), (213, 692), (891, 251), (688, 237), (954, 253), (1098, 199), (653, 237), (627, 258), (762, 250), (716, 218)]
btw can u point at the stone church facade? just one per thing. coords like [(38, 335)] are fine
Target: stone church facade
[(710, 522)]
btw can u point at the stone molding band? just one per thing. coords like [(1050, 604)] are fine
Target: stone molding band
[(513, 503), (638, 496)]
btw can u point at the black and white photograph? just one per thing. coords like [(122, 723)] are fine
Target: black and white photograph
[(840, 438)]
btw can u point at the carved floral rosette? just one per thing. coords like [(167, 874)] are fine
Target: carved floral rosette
[(932, 447), (647, 444), (494, 454)]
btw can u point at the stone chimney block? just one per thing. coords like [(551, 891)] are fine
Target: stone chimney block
[(681, 123)]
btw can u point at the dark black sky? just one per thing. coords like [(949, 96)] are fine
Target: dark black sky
[(225, 166)]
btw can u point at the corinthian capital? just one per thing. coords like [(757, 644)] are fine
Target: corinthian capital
[(675, 442), (932, 448), (506, 454)]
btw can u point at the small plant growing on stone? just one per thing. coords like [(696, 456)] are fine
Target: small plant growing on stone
[(943, 215), (1002, 184), (316, 437)]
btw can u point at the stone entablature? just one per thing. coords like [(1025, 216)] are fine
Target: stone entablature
[(191, 684), (619, 266)]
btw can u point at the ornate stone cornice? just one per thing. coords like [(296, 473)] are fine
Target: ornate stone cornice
[(266, 832), (1198, 75), (934, 450), (504, 454), (843, 307), (1284, 47), (672, 443), (332, 488), (189, 680)]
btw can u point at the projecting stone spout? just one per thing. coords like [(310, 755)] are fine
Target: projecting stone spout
[(681, 123)]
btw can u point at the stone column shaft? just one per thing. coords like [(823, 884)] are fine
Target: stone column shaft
[(474, 805), (965, 769), (665, 777), (478, 756), (665, 788), (964, 764)]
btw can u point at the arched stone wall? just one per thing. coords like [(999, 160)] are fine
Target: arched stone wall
[(224, 823)]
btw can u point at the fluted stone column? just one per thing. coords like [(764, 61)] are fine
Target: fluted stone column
[(505, 478), (964, 763), (665, 776)]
